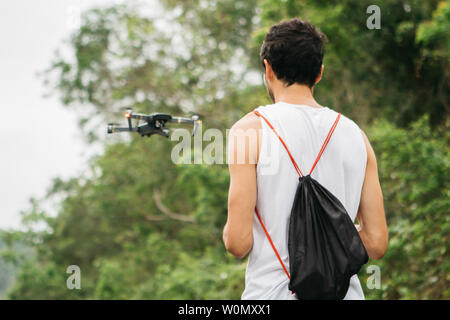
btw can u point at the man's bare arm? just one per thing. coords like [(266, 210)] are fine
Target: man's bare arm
[(238, 234), (371, 215)]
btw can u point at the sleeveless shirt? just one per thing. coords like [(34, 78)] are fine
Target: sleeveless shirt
[(341, 170)]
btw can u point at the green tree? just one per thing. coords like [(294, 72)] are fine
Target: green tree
[(414, 167)]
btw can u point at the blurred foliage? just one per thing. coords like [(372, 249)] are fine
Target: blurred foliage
[(141, 227), (7, 270), (13, 254), (414, 167)]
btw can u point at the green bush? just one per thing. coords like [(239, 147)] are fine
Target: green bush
[(414, 168)]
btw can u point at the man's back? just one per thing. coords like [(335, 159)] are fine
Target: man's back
[(341, 170)]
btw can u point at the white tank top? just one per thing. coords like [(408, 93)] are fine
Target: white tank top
[(341, 170)]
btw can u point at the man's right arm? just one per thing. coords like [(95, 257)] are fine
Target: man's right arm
[(371, 215)]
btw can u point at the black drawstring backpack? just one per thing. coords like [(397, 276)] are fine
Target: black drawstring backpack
[(325, 249)]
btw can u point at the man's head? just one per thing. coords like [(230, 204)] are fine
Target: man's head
[(292, 53)]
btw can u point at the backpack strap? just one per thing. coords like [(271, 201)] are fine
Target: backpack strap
[(282, 142), (324, 145), (271, 243)]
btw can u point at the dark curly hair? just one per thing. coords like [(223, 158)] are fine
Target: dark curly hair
[(294, 49)]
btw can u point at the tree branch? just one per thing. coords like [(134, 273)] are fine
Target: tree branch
[(167, 211)]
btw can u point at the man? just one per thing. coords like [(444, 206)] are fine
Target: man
[(262, 174)]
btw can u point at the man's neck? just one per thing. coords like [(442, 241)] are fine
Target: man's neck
[(296, 94)]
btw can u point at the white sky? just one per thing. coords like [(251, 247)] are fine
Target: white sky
[(39, 138)]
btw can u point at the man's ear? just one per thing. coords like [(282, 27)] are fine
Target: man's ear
[(319, 77), (268, 70)]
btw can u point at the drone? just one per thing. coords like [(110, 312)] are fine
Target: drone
[(155, 123)]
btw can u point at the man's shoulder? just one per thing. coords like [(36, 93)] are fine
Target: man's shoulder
[(350, 125), (242, 137), (249, 121)]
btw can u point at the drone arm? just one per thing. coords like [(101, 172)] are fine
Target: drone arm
[(183, 120), (194, 120), (139, 116), (125, 129), (129, 114), (121, 129)]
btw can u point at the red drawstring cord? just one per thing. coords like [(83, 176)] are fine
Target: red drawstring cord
[(271, 243), (330, 133), (290, 155)]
